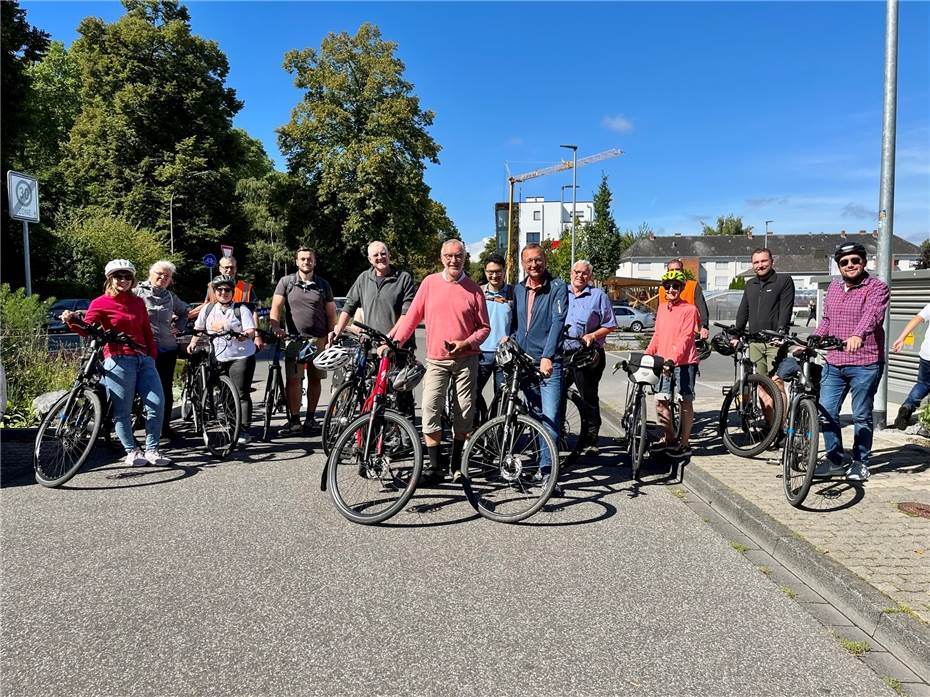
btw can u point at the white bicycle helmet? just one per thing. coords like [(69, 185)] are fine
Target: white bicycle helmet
[(119, 265), (332, 358), (409, 376), (648, 368)]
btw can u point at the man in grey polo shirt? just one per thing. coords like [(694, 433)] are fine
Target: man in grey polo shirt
[(384, 294)]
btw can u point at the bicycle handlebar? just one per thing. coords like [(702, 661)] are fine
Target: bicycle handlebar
[(822, 343), (378, 336), (107, 336), (219, 335)]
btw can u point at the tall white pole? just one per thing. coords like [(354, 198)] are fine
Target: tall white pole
[(886, 196), (574, 198)]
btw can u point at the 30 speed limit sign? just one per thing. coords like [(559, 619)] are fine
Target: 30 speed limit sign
[(23, 191)]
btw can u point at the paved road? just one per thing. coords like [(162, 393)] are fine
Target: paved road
[(239, 578)]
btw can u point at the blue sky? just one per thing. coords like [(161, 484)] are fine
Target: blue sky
[(763, 110)]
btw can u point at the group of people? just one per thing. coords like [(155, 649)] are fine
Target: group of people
[(467, 322)]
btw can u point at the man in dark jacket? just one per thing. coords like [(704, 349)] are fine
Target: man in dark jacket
[(767, 303), (540, 309)]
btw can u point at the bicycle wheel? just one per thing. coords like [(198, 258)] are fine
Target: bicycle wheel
[(799, 457), (221, 417), (574, 424), (270, 404), (502, 463), (342, 409), (638, 436), (370, 485), (743, 426), (66, 437)]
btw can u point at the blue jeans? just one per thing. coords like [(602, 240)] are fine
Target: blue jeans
[(837, 382), (487, 365), (545, 401), (127, 376), (922, 388)]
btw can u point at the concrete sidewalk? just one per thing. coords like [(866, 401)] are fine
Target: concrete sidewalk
[(864, 548)]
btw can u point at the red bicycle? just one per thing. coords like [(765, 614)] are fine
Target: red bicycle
[(375, 463)]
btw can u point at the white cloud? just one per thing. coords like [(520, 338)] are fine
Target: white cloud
[(617, 123), (475, 248)]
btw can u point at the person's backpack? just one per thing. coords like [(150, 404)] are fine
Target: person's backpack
[(237, 311)]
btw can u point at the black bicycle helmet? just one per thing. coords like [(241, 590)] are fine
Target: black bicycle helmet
[(585, 357), (844, 250), (223, 281), (720, 342), (703, 349)]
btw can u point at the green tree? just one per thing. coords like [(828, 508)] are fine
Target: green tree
[(738, 283), (924, 261), (21, 45), (155, 126), (729, 225), (358, 144), (264, 204), (600, 240)]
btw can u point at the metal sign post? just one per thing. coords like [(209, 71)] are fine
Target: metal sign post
[(23, 192)]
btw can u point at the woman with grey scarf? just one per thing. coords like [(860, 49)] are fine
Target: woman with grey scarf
[(168, 315)]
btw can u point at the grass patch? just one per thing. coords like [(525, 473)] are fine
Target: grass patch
[(901, 609), (678, 493), (856, 648), (790, 592), (739, 547), (765, 571), (894, 684)]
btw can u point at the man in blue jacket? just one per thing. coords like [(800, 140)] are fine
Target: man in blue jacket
[(541, 305)]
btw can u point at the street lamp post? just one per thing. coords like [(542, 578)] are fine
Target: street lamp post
[(766, 242), (562, 204), (574, 149)]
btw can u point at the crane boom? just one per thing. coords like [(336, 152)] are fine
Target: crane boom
[(561, 167)]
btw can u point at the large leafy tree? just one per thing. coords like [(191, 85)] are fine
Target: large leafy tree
[(21, 46), (154, 134), (729, 225), (357, 143)]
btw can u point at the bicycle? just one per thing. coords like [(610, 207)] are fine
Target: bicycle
[(503, 460), (348, 399), (802, 435), (211, 397), (574, 419), (375, 463), (644, 371), (69, 431), (743, 425)]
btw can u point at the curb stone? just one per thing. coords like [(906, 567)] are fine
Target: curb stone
[(907, 638)]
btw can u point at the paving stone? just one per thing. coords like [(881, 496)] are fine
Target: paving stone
[(916, 689), (884, 664), (856, 634), (827, 614)]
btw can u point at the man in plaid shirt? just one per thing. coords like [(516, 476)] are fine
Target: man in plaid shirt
[(853, 310)]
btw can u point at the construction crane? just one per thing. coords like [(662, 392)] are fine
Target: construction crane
[(561, 167)]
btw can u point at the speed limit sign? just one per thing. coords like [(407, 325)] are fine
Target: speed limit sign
[(23, 192)]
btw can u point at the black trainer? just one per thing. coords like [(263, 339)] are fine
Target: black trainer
[(903, 419)]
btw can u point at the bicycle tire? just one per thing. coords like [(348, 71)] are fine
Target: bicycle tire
[(270, 405), (639, 436), (343, 408), (574, 423), (799, 456), (501, 486), (368, 488), (742, 425), (50, 459), (221, 415)]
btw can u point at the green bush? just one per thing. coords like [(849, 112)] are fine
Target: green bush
[(30, 369), (923, 416), (738, 283)]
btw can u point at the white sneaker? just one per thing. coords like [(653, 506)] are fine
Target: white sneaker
[(154, 457), (857, 472), (136, 459), (244, 438)]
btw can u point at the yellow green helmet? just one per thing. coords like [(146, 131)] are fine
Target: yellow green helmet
[(674, 276)]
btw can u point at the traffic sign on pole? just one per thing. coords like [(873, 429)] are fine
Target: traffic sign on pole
[(23, 192), (227, 250), (209, 260)]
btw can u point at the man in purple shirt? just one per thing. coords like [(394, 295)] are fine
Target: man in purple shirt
[(853, 310)]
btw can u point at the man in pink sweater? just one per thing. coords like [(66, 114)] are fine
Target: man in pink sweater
[(453, 308), (676, 324)]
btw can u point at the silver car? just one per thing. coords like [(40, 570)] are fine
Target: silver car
[(632, 319)]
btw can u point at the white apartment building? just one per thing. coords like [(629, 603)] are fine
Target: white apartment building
[(545, 220)]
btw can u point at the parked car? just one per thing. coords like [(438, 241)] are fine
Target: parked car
[(55, 325), (340, 301), (634, 320)]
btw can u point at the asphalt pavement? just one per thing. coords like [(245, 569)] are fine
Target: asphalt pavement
[(240, 578)]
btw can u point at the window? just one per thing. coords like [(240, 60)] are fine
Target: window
[(721, 282), (532, 238), (644, 266), (537, 215)]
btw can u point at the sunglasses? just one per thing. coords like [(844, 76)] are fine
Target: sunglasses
[(223, 289), (671, 286), (849, 261), (123, 276)]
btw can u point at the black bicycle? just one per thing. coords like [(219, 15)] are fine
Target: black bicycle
[(210, 398), (644, 372), (347, 400), (69, 431), (510, 464), (744, 426), (802, 435), (574, 412)]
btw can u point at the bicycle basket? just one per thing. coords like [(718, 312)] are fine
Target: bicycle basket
[(646, 369)]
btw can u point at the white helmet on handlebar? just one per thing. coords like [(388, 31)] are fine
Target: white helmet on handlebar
[(648, 368), (332, 358)]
